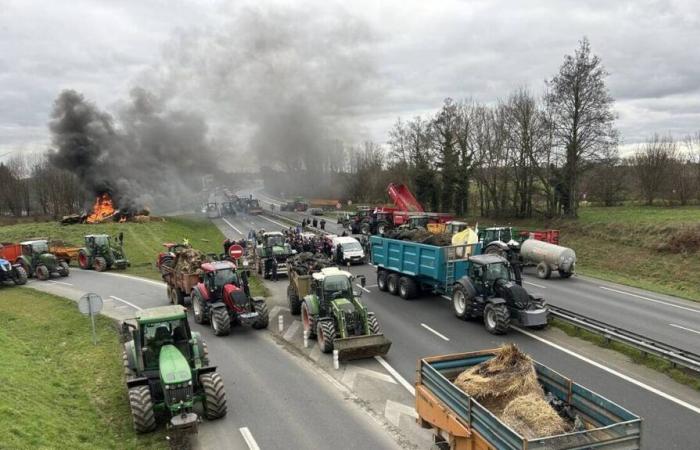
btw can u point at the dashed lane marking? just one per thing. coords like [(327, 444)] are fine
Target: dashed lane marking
[(125, 302), (697, 311), (249, 439), (60, 282), (683, 328), (436, 333), (232, 226), (535, 284)]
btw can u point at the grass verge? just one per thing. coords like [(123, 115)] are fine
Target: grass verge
[(59, 388), (680, 375)]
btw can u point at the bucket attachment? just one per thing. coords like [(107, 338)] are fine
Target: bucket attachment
[(359, 347)]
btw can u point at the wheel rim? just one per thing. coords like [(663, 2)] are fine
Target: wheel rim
[(491, 318), (82, 260), (215, 325), (197, 308), (402, 289), (459, 302), (320, 335), (392, 284), (305, 318)]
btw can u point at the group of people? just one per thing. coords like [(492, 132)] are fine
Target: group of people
[(313, 222)]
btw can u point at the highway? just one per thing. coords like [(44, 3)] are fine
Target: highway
[(276, 400), (427, 326)]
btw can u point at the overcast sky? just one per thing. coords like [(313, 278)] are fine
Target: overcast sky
[(413, 52)]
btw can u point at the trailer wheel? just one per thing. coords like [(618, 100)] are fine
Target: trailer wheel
[(392, 283), (307, 320), (461, 303), (221, 321), (374, 327), (141, 405), (325, 329), (294, 302), (263, 315), (407, 288), (179, 296), (42, 272), (496, 318), (20, 276), (543, 270), (565, 274), (214, 395), (381, 280)]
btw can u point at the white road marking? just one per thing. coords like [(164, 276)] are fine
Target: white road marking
[(274, 221), (131, 277), (397, 376), (535, 284), (352, 371), (684, 328), (636, 382), (60, 282), (393, 411), (440, 335), (291, 331), (697, 311), (126, 303), (249, 439), (446, 298), (232, 226), (363, 288), (371, 285)]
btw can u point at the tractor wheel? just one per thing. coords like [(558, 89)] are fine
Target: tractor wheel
[(99, 264), (543, 270), (325, 329), (293, 299), (407, 288), (63, 269), (263, 315), (381, 280), (20, 276), (42, 272), (496, 318), (142, 409), (198, 309), (205, 354), (128, 373), (83, 260), (307, 320), (214, 395), (461, 302), (176, 296), (374, 327), (392, 283), (364, 228), (565, 274), (221, 321)]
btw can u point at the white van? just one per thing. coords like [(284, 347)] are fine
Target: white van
[(348, 249)]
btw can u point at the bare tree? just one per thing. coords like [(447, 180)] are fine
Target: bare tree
[(652, 163), (581, 109), (607, 179)]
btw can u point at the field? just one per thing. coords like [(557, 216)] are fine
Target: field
[(58, 388), (142, 242)]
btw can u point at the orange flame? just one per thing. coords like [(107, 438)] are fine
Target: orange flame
[(103, 209)]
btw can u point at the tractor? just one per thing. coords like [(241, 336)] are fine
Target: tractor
[(102, 253), (492, 289), (167, 371), (272, 250), (38, 262), (12, 272), (222, 296), (333, 313)]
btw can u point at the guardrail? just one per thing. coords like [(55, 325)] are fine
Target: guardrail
[(672, 354)]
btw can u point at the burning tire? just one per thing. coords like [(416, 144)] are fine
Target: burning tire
[(100, 264), (42, 272), (325, 329)]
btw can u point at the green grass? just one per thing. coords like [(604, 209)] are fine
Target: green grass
[(58, 389), (680, 375), (142, 241)]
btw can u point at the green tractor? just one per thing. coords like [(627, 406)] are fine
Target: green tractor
[(333, 313), (167, 372), (38, 262), (272, 249), (102, 253)]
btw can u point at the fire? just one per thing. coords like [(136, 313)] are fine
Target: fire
[(103, 209)]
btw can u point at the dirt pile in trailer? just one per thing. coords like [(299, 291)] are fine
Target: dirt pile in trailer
[(507, 386), (307, 262), (421, 236), (190, 260)]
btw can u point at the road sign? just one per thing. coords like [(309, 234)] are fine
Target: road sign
[(235, 251), (91, 305)]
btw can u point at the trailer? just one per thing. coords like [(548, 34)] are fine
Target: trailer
[(460, 422), (480, 286), (180, 284)]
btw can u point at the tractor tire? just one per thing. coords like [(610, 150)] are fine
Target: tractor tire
[(221, 321), (128, 373), (214, 401), (374, 327), (382, 228), (392, 284), (141, 405), (381, 280), (461, 303), (325, 330), (99, 264), (263, 315), (205, 354), (42, 272), (407, 288), (294, 302), (198, 310), (176, 296), (364, 228), (63, 269), (564, 274), (496, 318), (544, 271), (307, 320), (83, 260), (20, 276)]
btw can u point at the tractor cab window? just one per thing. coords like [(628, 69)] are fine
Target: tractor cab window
[(337, 286), (495, 272), (39, 247), (222, 277), (275, 241), (101, 240), (420, 222)]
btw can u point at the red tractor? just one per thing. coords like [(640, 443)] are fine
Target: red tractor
[(222, 297)]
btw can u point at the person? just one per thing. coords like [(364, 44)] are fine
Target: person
[(227, 245), (323, 224), (315, 221), (303, 223), (273, 275)]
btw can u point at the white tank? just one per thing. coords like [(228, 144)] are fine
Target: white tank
[(555, 256)]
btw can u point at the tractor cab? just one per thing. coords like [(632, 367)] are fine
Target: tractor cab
[(486, 270), (32, 249), (333, 285), (37, 260), (218, 274), (497, 234)]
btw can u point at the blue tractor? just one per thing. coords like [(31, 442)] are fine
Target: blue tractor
[(12, 272)]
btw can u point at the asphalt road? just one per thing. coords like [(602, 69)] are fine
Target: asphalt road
[(276, 397), (427, 326)]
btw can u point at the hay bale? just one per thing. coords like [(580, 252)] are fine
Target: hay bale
[(496, 382), (190, 260), (533, 417)]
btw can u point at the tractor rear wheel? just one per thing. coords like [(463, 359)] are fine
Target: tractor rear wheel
[(221, 321), (392, 283), (141, 405), (496, 318), (307, 320), (543, 270), (407, 288), (42, 272), (461, 303), (198, 309), (374, 327), (565, 274), (325, 329), (263, 315), (20, 276), (214, 395), (381, 280), (294, 302), (176, 296), (100, 264), (63, 269), (83, 260)]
